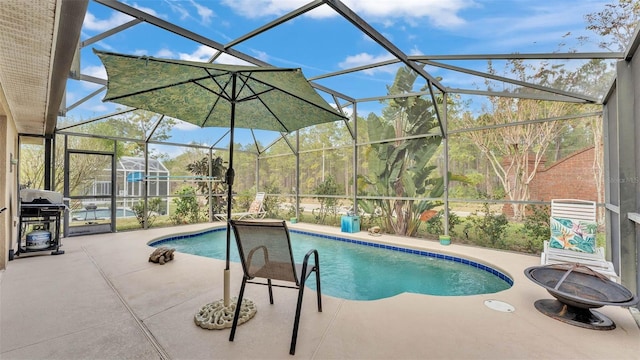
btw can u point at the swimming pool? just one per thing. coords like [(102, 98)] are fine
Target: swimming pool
[(360, 270)]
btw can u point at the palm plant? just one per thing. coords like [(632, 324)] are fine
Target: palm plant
[(201, 168), (400, 169)]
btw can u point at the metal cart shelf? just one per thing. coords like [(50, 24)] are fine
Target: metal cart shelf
[(40, 216)]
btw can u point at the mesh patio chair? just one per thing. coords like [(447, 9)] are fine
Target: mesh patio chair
[(265, 252)]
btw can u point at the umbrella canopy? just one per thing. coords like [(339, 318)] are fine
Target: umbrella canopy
[(214, 95), (205, 94)]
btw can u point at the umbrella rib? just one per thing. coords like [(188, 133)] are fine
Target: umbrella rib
[(154, 89), (223, 89), (296, 96), (222, 94), (255, 95), (255, 142), (268, 108), (210, 112), (245, 83)]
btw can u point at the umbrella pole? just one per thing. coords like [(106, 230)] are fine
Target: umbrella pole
[(220, 314), (229, 178)]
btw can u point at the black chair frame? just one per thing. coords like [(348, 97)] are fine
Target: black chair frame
[(300, 281)]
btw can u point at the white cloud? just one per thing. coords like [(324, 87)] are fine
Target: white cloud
[(177, 8), (165, 53), (95, 71), (366, 59), (100, 108), (117, 18), (440, 13), (204, 12), (185, 126), (140, 52), (259, 8), (203, 53), (230, 60), (261, 55), (534, 26), (415, 51)]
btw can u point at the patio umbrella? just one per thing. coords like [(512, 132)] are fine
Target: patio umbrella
[(215, 95)]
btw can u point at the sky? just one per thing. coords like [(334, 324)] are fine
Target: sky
[(321, 42)]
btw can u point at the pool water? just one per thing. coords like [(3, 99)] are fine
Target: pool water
[(360, 272)]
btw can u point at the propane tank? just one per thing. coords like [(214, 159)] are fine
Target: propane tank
[(38, 240)]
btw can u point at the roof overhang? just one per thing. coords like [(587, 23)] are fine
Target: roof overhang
[(38, 40)]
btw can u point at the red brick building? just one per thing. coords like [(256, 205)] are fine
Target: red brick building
[(570, 178)]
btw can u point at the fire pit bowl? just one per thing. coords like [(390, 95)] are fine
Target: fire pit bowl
[(578, 289)]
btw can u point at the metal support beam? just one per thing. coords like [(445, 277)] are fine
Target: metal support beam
[(163, 24), (355, 158), (114, 178), (510, 81), (297, 193), (533, 96), (292, 15), (626, 179), (358, 22), (209, 186), (445, 144), (48, 164), (355, 69), (525, 122), (67, 36), (517, 56), (145, 188), (110, 32), (74, 105)]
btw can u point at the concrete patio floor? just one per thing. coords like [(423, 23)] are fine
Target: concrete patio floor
[(102, 299)]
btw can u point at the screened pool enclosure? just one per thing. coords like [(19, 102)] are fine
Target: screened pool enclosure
[(470, 145)]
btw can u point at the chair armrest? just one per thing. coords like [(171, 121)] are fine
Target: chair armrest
[(305, 264)]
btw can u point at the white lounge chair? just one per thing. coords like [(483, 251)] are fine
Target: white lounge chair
[(256, 210), (578, 211)]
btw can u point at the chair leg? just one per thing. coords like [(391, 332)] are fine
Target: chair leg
[(318, 291), (238, 306), (270, 291), (296, 322)]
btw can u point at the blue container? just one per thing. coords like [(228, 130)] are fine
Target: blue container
[(350, 224)]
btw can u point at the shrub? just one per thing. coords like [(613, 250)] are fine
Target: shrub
[(153, 208), (536, 227), (272, 203), (187, 209), (370, 215), (487, 227), (435, 227), (327, 204), (290, 209)]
